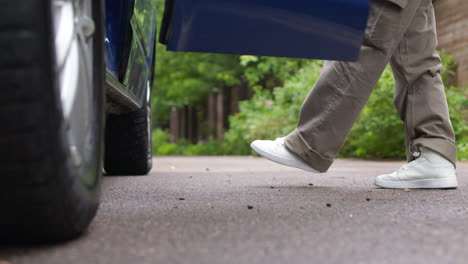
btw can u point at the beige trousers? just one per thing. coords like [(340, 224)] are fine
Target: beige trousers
[(404, 36)]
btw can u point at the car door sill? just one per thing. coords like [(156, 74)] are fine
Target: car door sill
[(118, 95)]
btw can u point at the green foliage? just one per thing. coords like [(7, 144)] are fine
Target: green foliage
[(271, 114), (458, 101), (378, 132), (267, 115), (449, 67), (457, 98), (269, 72), (187, 78), (161, 146)]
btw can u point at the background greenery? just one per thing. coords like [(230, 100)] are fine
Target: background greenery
[(280, 86)]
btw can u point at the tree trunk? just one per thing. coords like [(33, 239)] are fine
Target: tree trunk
[(174, 125), (183, 122), (234, 102), (211, 115), (220, 116)]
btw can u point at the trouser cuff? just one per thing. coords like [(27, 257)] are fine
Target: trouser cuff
[(296, 144), (442, 146)]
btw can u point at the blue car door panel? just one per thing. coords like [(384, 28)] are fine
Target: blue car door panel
[(119, 35), (317, 29)]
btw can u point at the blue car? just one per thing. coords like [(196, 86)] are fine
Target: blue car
[(77, 77)]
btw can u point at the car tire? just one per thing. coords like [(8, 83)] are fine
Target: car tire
[(128, 143), (128, 139), (50, 161)]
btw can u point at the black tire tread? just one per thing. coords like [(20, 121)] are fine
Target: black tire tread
[(127, 143), (37, 204), (19, 69)]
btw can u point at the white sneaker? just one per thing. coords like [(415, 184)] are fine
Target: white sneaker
[(276, 151), (429, 171)]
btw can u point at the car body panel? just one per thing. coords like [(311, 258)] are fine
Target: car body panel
[(316, 29), (130, 41), (118, 14)]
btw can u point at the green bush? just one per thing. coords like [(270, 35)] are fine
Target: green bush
[(162, 146), (458, 101), (270, 114), (378, 132)]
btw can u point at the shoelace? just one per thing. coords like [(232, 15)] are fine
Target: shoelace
[(279, 142), (409, 165)]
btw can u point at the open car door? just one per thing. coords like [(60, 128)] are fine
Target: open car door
[(315, 29)]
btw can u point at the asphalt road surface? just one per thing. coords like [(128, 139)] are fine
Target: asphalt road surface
[(249, 210)]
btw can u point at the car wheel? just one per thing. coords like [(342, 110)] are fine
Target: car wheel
[(51, 112), (128, 143)]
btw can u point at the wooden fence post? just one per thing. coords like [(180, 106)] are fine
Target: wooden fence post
[(211, 115), (174, 125), (220, 116)]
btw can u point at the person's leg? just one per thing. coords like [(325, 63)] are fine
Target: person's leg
[(422, 105), (419, 92), (343, 88)]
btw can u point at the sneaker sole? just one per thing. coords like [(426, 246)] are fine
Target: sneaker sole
[(447, 183), (282, 161)]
